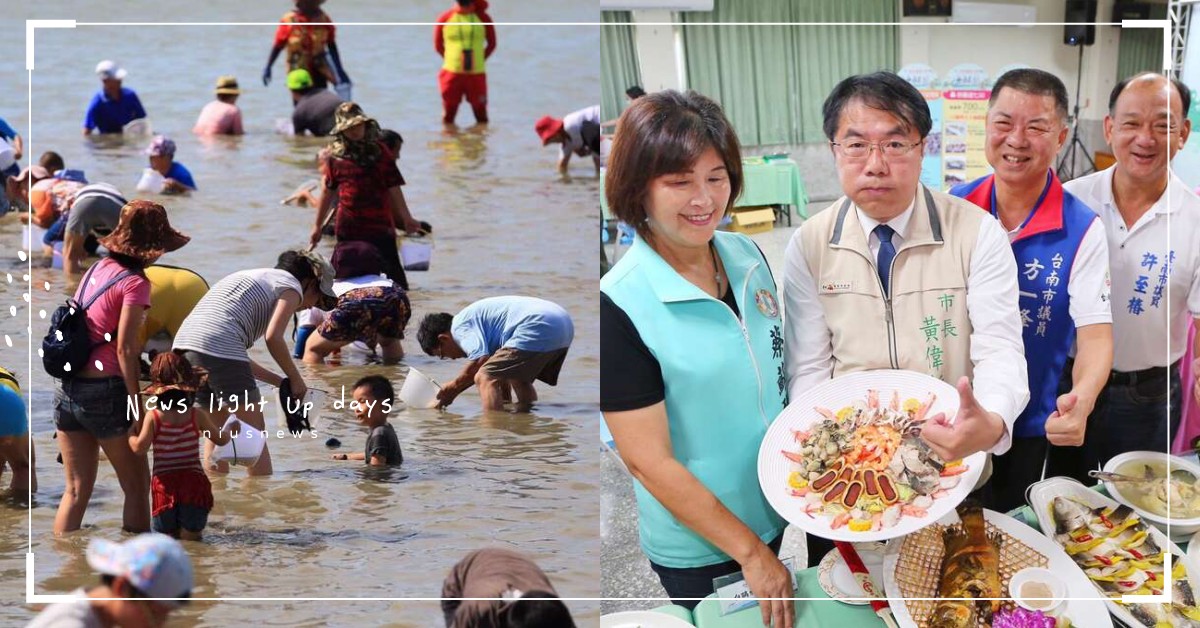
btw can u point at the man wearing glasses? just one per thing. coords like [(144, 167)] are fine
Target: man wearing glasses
[(896, 276), (1062, 263)]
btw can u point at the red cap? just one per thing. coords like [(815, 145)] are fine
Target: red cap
[(547, 127)]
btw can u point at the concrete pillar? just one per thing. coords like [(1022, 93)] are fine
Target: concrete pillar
[(660, 60)]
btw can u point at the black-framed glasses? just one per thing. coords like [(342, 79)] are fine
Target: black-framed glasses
[(857, 149)]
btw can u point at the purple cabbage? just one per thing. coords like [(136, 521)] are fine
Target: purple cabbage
[(1022, 618)]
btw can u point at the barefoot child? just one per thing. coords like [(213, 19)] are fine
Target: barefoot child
[(373, 397), (182, 494)]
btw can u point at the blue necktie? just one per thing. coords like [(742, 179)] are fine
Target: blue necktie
[(883, 262)]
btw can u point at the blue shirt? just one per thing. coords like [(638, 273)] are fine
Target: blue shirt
[(6, 131), (181, 174), (111, 116), (524, 323)]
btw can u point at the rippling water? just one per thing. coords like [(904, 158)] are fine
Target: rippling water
[(505, 223)]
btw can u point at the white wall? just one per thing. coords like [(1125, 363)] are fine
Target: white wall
[(941, 45), (658, 60)]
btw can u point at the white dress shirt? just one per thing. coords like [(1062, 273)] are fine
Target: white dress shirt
[(997, 351), (1149, 330)]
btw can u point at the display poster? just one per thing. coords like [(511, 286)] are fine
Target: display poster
[(964, 132), (931, 163), (954, 148)]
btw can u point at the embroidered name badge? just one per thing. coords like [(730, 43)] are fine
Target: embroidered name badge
[(766, 303), (835, 287)]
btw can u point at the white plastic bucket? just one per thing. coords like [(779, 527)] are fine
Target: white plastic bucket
[(416, 253), (151, 181), (31, 236), (141, 126), (419, 391), (7, 155), (315, 397), (243, 449)]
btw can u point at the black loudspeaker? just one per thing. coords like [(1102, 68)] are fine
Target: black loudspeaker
[(1080, 29), (1124, 10)]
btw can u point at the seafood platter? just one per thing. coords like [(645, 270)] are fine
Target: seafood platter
[(1152, 482), (1118, 552), (931, 576), (845, 460)]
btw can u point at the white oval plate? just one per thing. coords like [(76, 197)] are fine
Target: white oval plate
[(1084, 608), (773, 468), (1041, 495), (839, 582), (642, 619)]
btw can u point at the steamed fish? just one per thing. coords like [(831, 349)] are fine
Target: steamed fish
[(1118, 554)]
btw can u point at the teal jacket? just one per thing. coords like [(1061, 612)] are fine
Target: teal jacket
[(725, 382)]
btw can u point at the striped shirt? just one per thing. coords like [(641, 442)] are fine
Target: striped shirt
[(234, 313), (176, 447)]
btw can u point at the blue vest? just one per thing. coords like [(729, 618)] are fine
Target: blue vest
[(725, 382), (1045, 249)]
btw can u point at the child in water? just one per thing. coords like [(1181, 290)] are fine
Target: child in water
[(181, 493), (373, 398)]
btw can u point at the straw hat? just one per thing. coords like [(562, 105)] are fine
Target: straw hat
[(347, 115), (143, 232), (322, 268), (227, 86)]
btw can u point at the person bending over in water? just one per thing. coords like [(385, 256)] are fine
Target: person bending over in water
[(510, 341)]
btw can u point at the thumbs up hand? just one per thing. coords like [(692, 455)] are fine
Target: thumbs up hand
[(973, 429), (1066, 426)]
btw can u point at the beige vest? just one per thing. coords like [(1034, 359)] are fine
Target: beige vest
[(924, 327)]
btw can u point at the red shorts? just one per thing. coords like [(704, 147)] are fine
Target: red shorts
[(456, 87)]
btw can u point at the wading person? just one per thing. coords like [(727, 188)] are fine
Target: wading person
[(92, 407)]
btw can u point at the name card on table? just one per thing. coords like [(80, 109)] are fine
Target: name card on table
[(734, 594)]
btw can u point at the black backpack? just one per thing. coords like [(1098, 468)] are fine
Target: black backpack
[(66, 347)]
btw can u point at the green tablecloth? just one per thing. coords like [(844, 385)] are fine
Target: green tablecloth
[(775, 182), (766, 183), (826, 612)]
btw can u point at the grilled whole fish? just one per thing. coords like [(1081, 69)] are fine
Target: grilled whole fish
[(970, 569)]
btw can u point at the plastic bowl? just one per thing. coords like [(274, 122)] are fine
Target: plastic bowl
[(243, 449), (419, 391), (1179, 528), (1058, 590)]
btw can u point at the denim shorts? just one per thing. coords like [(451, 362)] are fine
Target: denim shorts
[(95, 405), (186, 516)]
